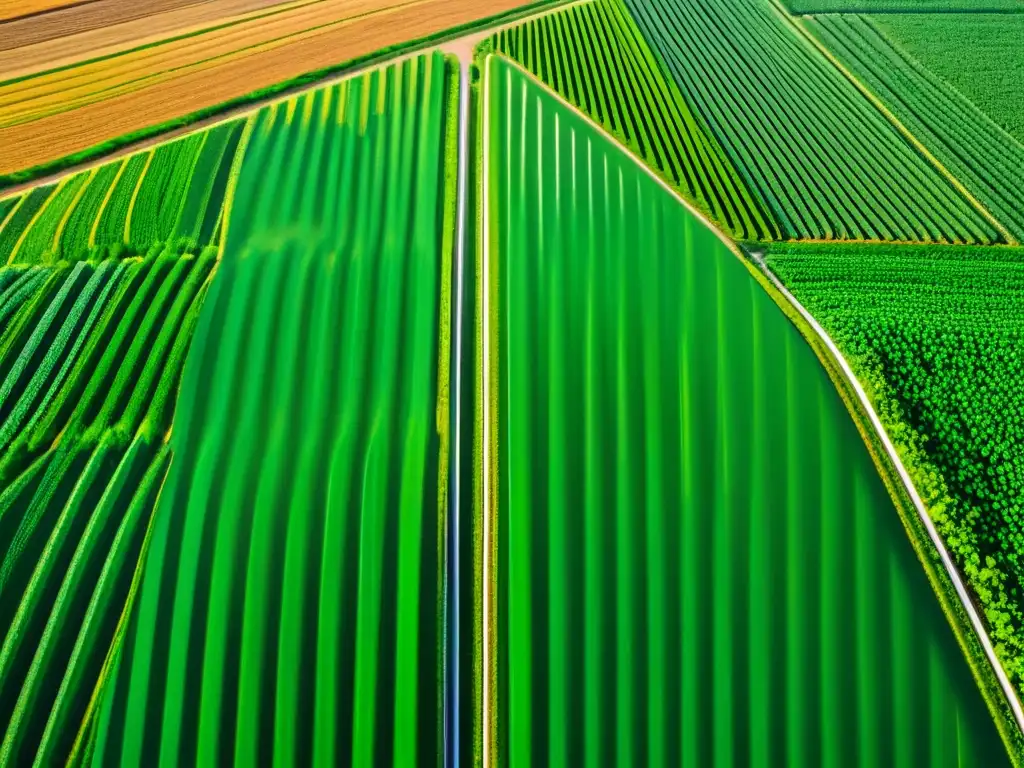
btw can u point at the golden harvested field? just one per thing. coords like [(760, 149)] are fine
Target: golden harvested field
[(89, 103)]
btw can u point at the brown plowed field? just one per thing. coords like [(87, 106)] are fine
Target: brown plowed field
[(13, 9), (106, 27), (43, 118)]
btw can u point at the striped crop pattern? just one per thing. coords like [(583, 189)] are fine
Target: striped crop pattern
[(170, 194), (823, 158), (697, 562), (594, 56), (981, 154), (289, 610), (90, 359)]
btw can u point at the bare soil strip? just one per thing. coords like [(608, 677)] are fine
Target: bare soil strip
[(17, 9), (106, 27)]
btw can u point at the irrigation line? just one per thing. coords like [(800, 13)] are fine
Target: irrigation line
[(908, 485), (452, 577), (844, 366), (485, 389)]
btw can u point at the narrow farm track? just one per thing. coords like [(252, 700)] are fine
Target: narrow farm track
[(454, 713), (734, 599), (318, 385), (594, 56), (821, 156), (90, 359), (77, 109)]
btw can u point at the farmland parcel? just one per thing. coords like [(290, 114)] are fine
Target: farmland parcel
[(688, 568)]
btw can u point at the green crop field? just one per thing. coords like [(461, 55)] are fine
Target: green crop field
[(978, 54), (981, 155), (825, 161), (628, 381), (935, 336), (170, 194), (594, 56), (90, 360), (313, 635), (668, 588)]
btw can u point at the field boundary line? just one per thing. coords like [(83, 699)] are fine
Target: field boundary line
[(908, 485), (806, 34), (453, 518), (765, 273), (485, 361)]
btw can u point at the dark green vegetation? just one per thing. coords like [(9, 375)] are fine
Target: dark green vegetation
[(91, 355), (104, 281), (982, 156), (594, 56), (172, 194), (690, 568), (826, 162), (978, 54), (289, 609), (935, 335), (902, 6)]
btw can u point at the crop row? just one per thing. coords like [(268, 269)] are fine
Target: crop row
[(90, 359), (936, 335), (822, 157), (976, 53), (697, 563), (594, 56), (289, 607), (900, 6), (170, 194), (981, 155)]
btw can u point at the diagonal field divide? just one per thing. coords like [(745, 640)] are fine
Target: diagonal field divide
[(835, 364)]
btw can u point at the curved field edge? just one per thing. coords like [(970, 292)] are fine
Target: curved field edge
[(210, 116), (941, 581), (996, 697)]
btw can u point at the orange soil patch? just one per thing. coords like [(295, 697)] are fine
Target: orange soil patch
[(12, 9), (207, 72), (107, 27)]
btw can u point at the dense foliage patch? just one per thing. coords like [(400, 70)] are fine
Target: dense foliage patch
[(936, 335)]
